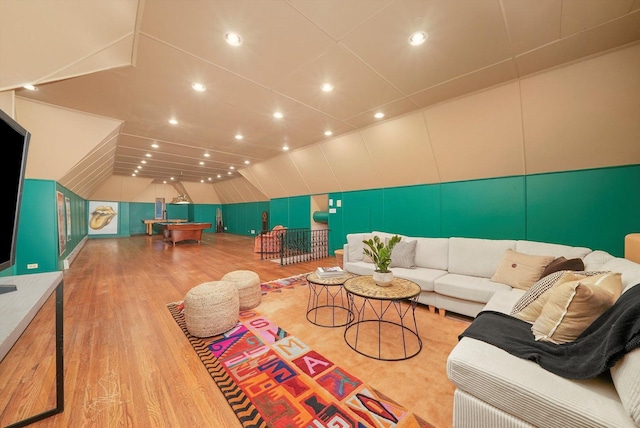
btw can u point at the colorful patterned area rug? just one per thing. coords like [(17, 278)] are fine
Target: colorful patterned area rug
[(273, 379)]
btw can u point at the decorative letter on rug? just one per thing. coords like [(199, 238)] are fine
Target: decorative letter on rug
[(273, 379)]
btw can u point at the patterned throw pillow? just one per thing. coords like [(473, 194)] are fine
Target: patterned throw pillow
[(520, 270), (404, 255), (529, 306), (574, 305)]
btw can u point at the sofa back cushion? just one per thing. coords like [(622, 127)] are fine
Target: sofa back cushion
[(432, 253), (547, 249), (477, 257), (630, 271), (356, 246), (595, 259)]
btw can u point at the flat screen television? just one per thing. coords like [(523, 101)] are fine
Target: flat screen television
[(14, 141)]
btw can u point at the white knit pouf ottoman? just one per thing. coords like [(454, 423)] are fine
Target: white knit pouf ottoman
[(211, 308), (248, 284)]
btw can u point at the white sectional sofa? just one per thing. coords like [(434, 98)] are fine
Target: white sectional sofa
[(493, 387)]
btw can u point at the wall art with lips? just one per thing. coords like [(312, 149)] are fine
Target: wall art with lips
[(103, 218)]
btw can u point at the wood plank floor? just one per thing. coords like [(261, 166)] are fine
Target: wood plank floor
[(127, 364)]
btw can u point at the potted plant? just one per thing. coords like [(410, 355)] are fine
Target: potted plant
[(380, 254)]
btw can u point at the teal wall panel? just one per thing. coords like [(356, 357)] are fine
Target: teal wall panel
[(591, 208), (413, 211), (178, 211), (205, 213), (37, 228), (279, 212), (300, 212), (492, 208), (138, 212), (363, 211), (243, 218)]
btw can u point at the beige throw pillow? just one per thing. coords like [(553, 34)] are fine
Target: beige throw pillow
[(574, 305), (529, 306), (520, 270)]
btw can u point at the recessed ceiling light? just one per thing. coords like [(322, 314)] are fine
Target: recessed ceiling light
[(155, 146), (133, 175), (30, 87), (285, 147), (328, 133), (143, 161), (228, 172), (201, 163), (173, 121), (202, 181), (418, 38), (278, 115), (164, 181), (209, 178), (172, 178), (206, 155), (327, 87), (379, 115), (247, 162), (148, 155), (219, 176), (233, 39), (198, 87), (139, 167), (232, 167), (239, 137)]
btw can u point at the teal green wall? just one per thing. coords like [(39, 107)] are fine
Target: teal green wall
[(293, 212), (38, 227), (243, 218), (593, 208)]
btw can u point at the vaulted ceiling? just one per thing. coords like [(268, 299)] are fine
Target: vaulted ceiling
[(135, 61)]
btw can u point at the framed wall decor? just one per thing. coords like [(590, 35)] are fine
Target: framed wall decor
[(102, 218), (67, 204), (62, 233)]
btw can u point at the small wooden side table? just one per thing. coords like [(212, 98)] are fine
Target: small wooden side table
[(327, 305), (385, 313)]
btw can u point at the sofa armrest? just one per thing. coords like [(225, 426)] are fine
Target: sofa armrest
[(345, 256)]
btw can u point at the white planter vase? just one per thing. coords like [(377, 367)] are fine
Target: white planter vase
[(382, 279)]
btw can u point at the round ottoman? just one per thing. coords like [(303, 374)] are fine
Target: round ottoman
[(248, 284), (211, 308)]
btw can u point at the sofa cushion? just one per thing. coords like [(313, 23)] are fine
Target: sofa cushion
[(356, 246), (520, 270), (528, 392), (477, 257), (626, 377), (548, 249), (424, 277), (573, 306), (472, 288), (595, 260), (403, 254), (432, 253), (562, 263), (630, 271)]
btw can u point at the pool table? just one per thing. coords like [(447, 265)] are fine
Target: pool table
[(176, 232)]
